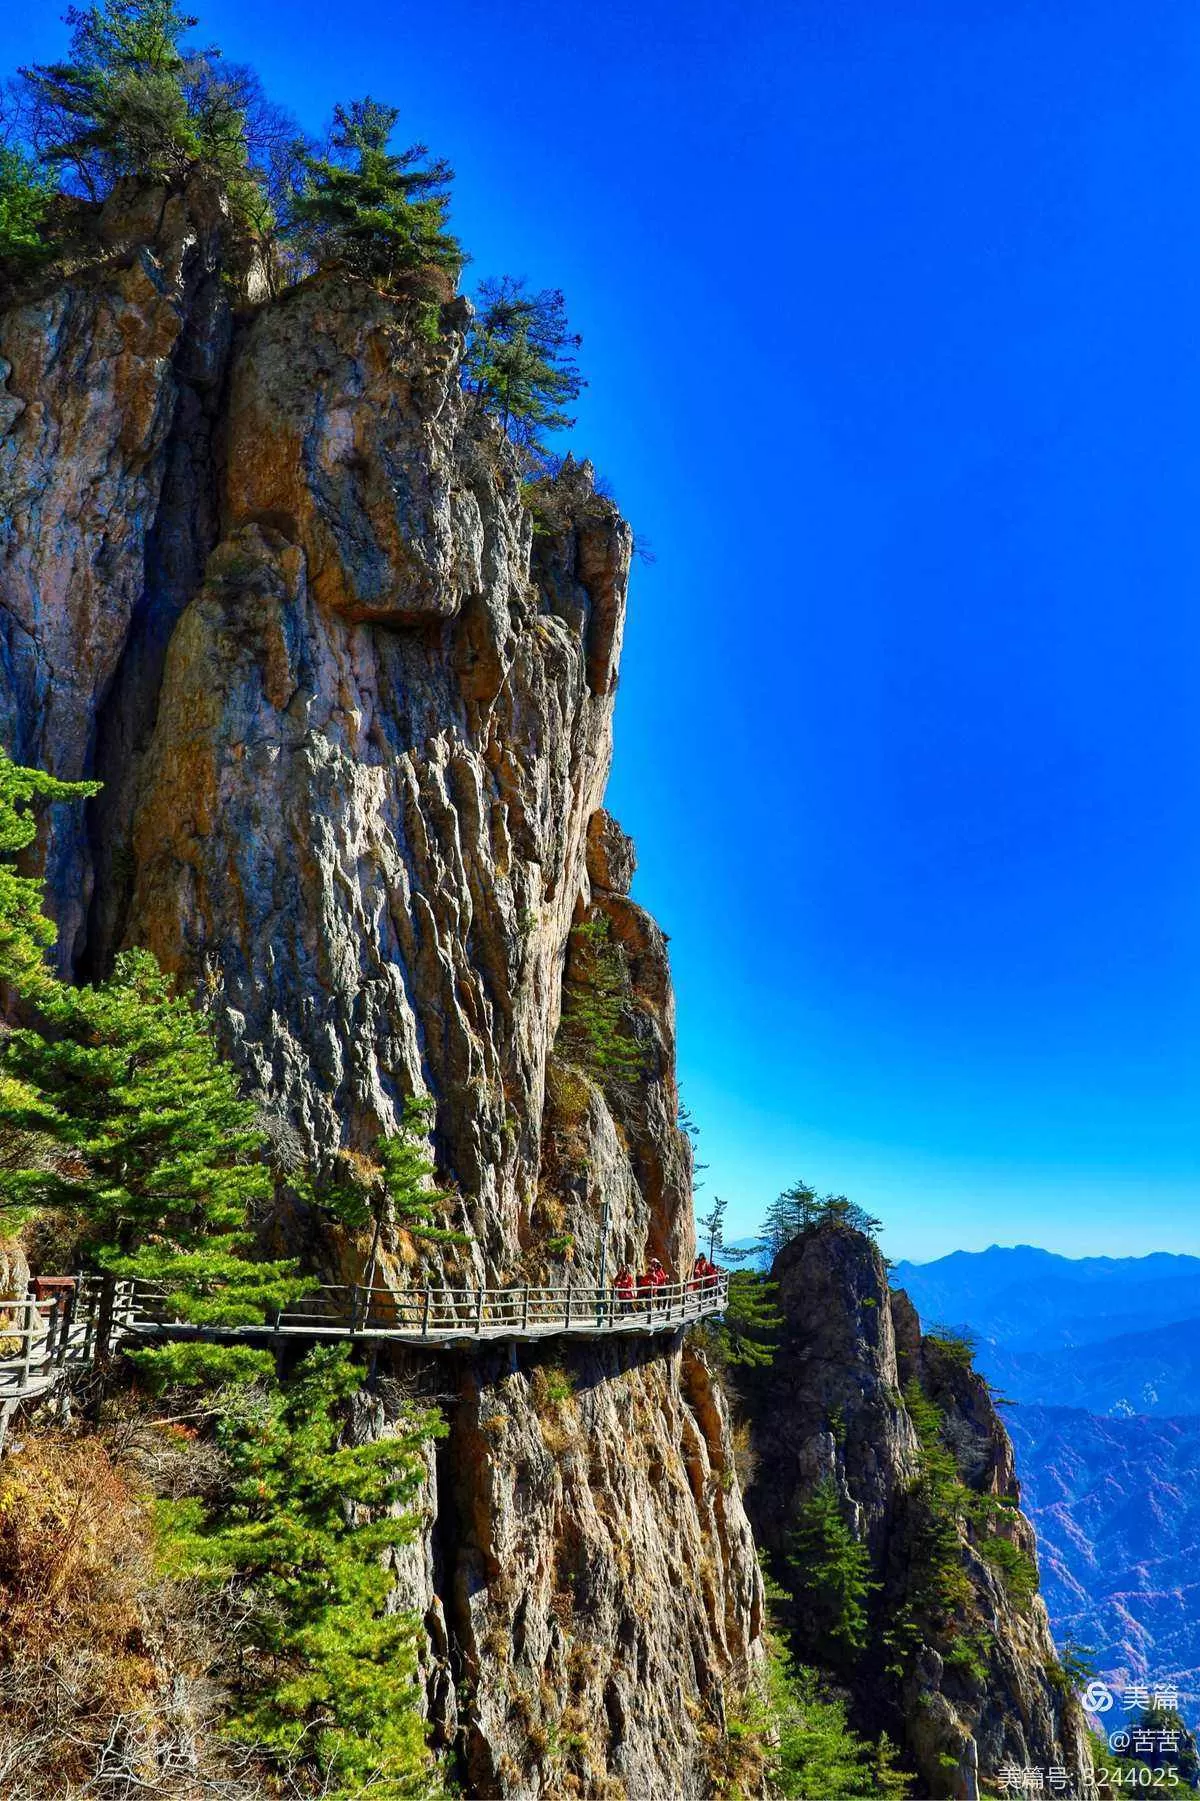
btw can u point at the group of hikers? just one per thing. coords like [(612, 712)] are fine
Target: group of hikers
[(647, 1287)]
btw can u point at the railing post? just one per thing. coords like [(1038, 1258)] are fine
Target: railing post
[(425, 1315), (89, 1325), (479, 1310), (105, 1312), (525, 1310), (353, 1308), (50, 1349), (67, 1322), (27, 1353), (568, 1320)]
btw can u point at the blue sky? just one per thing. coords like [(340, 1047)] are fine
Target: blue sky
[(892, 321)]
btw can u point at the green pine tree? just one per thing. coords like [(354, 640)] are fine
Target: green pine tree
[(25, 196), (329, 1674), (135, 100), (800, 1209), (25, 932), (748, 1334), (788, 1216), (159, 1162), (25, 937), (592, 1029), (801, 1727), (519, 359), (392, 1187), (831, 1579), (381, 213), (117, 106), (712, 1227)]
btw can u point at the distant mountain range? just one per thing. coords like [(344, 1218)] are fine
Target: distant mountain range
[(1102, 1356), (1031, 1300), (1116, 1504)]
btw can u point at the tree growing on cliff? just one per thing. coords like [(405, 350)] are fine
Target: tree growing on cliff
[(25, 936), (800, 1209), (390, 1189), (135, 99), (830, 1579), (117, 105), (596, 998), (329, 1677), (712, 1226), (747, 1336), (520, 361), (25, 196), (158, 1160), (25, 932), (380, 213)]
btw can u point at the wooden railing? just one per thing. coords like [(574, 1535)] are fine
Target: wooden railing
[(447, 1314), (41, 1338)]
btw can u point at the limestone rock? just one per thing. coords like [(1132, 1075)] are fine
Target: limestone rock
[(97, 369), (340, 435), (277, 582), (602, 1586), (833, 1408), (611, 858)]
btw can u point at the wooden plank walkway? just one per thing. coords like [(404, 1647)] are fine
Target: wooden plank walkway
[(40, 1339)]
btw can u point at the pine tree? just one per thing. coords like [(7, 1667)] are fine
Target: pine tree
[(25, 932), (800, 1208), (392, 1187), (788, 1216), (159, 1162), (815, 1754), (748, 1333), (381, 213), (118, 106), (592, 1028), (136, 100), (713, 1223), (25, 936), (831, 1578), (24, 201), (302, 1535), (519, 359)]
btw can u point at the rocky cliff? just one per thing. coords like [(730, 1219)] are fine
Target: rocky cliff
[(349, 687), (348, 684), (958, 1663)]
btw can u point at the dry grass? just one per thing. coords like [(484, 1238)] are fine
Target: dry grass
[(75, 1661), (75, 1550), (556, 1409), (745, 1457), (104, 1685), (109, 1673)]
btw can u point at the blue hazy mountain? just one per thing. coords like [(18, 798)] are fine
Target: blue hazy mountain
[(1102, 1357), (1031, 1300), (1116, 1505)]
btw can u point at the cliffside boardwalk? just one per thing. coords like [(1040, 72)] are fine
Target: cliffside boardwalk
[(41, 1338)]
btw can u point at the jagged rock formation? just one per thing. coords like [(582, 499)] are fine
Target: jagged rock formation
[(269, 574), (832, 1407)]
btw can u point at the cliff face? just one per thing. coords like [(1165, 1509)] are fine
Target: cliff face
[(275, 582), (959, 1664)]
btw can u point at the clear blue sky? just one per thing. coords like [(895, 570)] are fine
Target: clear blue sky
[(892, 319)]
